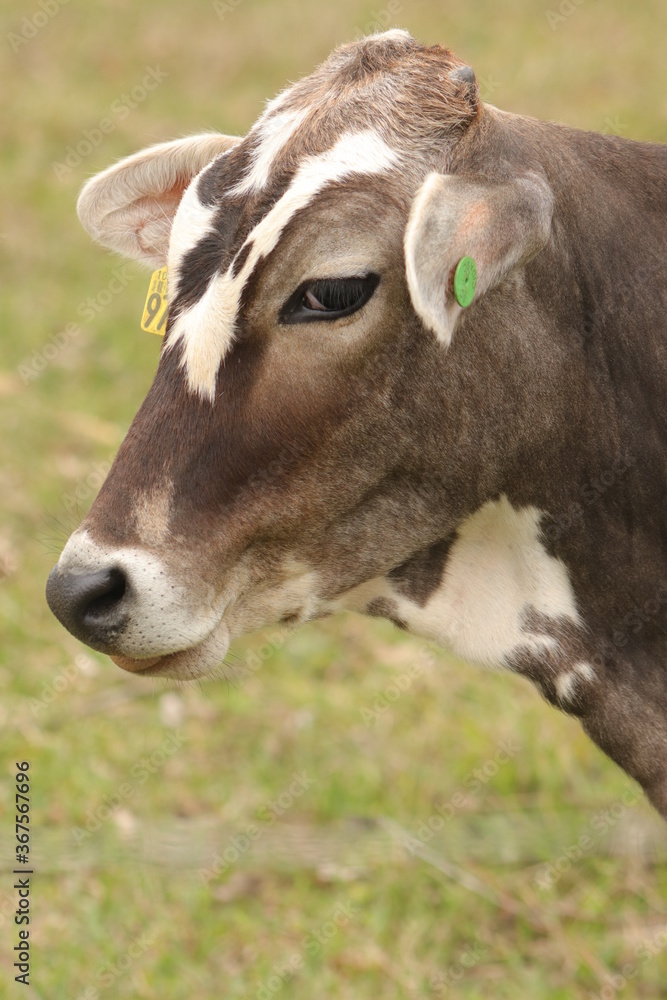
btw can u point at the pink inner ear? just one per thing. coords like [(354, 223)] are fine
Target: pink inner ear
[(156, 215), (475, 217), (177, 190)]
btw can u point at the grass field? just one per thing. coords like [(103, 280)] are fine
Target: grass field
[(358, 815)]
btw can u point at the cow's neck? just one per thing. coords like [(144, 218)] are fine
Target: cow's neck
[(558, 571), (493, 594), (490, 592), (592, 431)]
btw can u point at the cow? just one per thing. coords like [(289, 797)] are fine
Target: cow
[(415, 367)]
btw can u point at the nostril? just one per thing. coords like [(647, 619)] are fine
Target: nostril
[(106, 592), (92, 606)]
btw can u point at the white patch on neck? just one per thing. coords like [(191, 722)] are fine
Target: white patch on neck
[(207, 328), (496, 569)]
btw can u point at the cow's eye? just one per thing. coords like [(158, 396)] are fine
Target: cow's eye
[(328, 298)]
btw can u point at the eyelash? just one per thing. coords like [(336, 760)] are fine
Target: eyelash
[(330, 298)]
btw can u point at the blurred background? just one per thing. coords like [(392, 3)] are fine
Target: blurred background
[(354, 814)]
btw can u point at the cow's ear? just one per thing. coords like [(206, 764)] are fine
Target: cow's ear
[(499, 224), (130, 206)]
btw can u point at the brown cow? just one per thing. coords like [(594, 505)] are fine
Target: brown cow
[(331, 427)]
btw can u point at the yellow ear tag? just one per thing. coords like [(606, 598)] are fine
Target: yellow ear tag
[(154, 319)]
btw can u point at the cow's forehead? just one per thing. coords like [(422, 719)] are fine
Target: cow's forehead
[(353, 116), (205, 327)]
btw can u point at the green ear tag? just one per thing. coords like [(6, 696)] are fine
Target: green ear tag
[(465, 281)]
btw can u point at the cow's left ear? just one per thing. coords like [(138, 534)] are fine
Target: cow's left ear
[(499, 224), (130, 206)]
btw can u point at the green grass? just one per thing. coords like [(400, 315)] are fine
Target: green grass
[(328, 888)]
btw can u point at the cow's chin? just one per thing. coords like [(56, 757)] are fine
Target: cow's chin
[(200, 660)]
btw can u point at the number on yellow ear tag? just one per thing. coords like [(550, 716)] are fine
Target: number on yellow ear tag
[(154, 319)]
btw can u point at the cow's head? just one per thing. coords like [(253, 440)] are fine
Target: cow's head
[(313, 425)]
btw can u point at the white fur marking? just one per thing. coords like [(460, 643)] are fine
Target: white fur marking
[(192, 222), (397, 34), (566, 682), (151, 514), (585, 670), (273, 133), (496, 569), (163, 614), (207, 328)]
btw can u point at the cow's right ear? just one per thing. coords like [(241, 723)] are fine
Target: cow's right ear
[(130, 207), (500, 224)]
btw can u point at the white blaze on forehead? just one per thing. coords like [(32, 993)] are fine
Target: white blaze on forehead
[(207, 328), (272, 134)]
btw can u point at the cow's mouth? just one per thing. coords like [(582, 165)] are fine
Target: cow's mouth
[(148, 667), (199, 660)]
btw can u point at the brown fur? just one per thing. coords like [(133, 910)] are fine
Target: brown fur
[(358, 449)]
